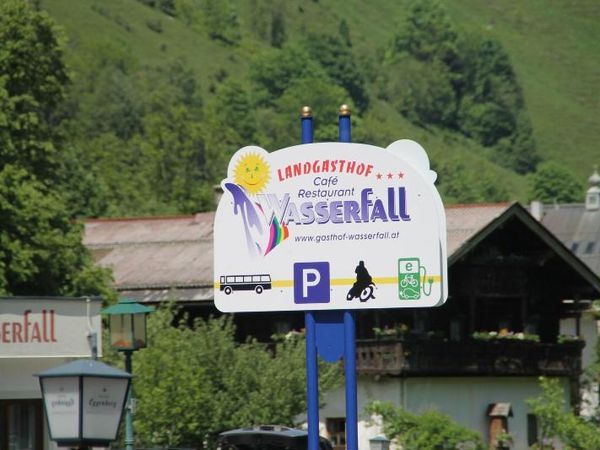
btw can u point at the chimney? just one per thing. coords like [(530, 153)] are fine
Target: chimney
[(536, 210), (592, 197)]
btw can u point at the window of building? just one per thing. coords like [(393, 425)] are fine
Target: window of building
[(574, 247), (336, 429), (532, 429), (589, 248), (21, 425)]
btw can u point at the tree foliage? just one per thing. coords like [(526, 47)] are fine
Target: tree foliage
[(148, 139), (436, 76), (429, 431), (41, 249), (192, 383), (337, 59), (552, 183), (217, 18), (557, 423), (32, 81)]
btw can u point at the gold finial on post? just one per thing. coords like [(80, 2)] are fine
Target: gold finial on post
[(306, 111), (344, 110)]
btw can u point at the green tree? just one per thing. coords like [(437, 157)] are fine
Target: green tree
[(41, 249), (344, 32), (220, 20), (192, 383), (272, 72), (492, 108), (457, 184), (422, 92), (556, 421), (278, 32), (427, 34), (32, 80), (552, 182), (280, 124), (428, 431), (232, 108), (433, 75), (339, 62), (177, 145)]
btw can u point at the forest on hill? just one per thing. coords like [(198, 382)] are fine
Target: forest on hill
[(156, 95)]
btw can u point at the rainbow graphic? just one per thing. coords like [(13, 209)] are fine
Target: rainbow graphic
[(277, 234)]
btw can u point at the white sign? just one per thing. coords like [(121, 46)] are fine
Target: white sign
[(103, 403), (47, 327), (330, 226), (62, 404)]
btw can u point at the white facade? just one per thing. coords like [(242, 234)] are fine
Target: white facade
[(37, 334), (464, 399)]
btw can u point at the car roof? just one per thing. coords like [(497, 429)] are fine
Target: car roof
[(266, 430)]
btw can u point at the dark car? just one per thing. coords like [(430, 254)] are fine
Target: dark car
[(268, 437)]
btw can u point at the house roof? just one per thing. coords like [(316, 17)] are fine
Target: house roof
[(464, 221), (516, 211), (156, 258), (578, 229), (155, 254)]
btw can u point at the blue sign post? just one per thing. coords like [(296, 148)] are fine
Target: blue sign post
[(336, 331), (326, 229), (312, 368)]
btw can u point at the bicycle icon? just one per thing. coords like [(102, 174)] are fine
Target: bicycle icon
[(412, 279), (409, 281)]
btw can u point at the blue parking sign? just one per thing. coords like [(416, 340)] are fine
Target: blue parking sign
[(311, 282)]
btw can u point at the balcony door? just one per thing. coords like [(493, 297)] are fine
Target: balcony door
[(21, 425)]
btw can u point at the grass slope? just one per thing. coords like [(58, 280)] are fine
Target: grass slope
[(553, 46), (90, 22)]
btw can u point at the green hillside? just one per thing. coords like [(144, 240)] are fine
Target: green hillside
[(555, 48), (552, 45)]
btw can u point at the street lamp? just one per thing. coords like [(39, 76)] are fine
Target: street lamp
[(127, 322), (379, 443), (84, 402)]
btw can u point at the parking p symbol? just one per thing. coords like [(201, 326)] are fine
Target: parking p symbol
[(311, 282)]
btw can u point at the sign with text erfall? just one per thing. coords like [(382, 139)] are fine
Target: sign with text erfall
[(330, 226)]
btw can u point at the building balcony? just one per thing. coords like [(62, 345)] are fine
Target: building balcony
[(467, 358)]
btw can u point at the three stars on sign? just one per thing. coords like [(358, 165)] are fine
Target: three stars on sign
[(389, 175)]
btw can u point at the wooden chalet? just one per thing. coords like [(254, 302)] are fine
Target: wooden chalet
[(519, 306)]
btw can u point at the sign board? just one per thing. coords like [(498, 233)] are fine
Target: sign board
[(330, 226), (61, 396), (47, 327)]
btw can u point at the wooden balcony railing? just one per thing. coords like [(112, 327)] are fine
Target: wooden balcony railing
[(499, 357)]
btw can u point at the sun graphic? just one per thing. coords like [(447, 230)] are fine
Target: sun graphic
[(252, 173)]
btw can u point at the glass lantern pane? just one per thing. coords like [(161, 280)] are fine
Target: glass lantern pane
[(61, 401), (121, 333), (103, 400), (139, 330)]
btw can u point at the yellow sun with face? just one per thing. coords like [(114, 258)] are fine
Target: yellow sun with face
[(252, 173)]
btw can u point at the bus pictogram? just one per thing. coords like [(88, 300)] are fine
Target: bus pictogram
[(256, 283)]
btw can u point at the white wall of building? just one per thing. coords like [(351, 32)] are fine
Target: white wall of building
[(465, 399), (16, 376)]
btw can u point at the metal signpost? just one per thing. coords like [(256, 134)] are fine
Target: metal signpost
[(326, 229)]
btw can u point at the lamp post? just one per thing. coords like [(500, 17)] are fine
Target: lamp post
[(83, 401), (127, 322), (379, 443)]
